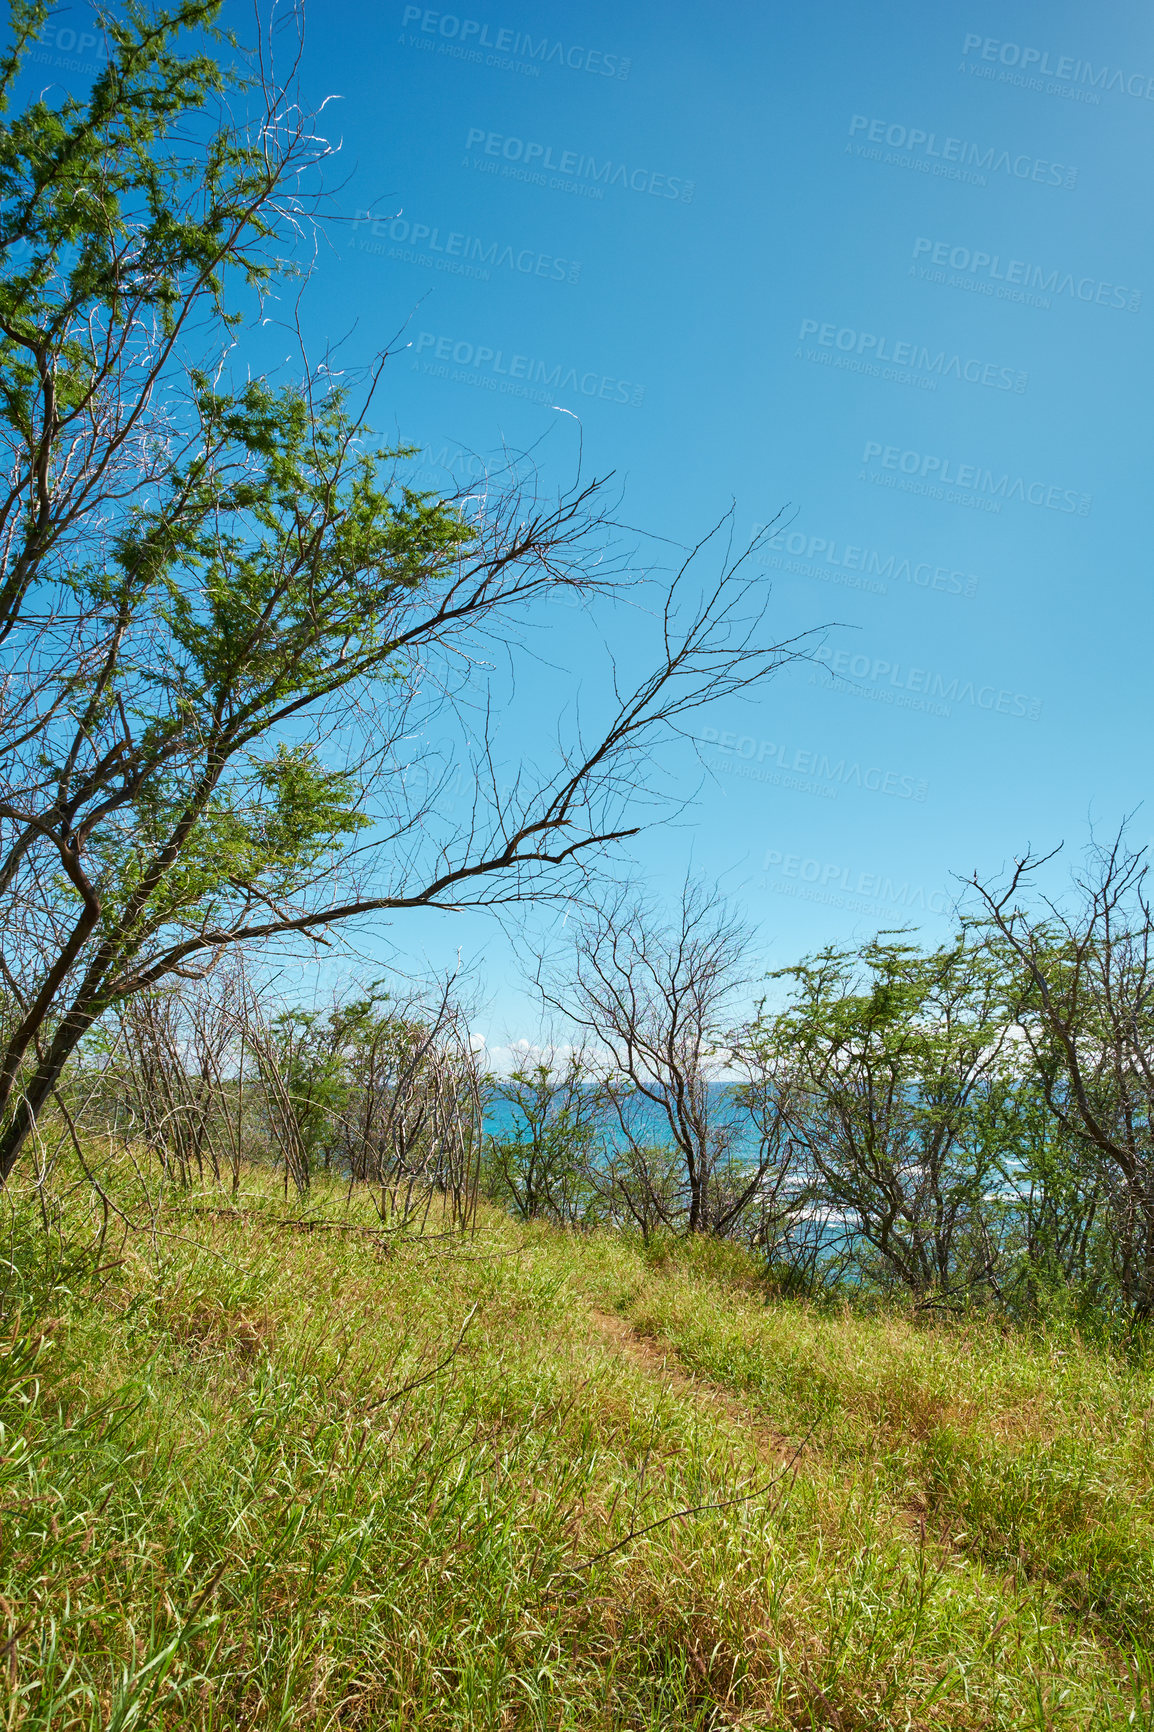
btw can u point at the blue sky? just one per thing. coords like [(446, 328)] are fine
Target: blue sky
[(890, 268)]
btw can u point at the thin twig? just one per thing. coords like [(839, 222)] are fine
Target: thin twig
[(697, 1509)]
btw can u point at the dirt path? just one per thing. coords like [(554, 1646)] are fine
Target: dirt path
[(660, 1360)]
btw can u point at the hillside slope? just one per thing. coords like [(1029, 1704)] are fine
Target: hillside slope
[(264, 1473)]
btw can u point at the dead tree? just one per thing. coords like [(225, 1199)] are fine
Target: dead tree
[(1084, 1002), (655, 1001)]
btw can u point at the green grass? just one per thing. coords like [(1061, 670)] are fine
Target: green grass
[(254, 1476)]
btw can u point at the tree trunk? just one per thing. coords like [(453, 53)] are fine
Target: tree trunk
[(22, 1119)]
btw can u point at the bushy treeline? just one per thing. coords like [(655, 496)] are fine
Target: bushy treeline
[(210, 1075), (962, 1125)]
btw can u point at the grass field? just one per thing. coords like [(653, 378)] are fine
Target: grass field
[(258, 1475)]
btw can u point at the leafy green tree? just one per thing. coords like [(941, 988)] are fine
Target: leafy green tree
[(1054, 1205), (540, 1162), (229, 624), (897, 1060), (307, 1087)]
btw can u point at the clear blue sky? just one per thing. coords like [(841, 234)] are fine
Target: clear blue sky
[(888, 266)]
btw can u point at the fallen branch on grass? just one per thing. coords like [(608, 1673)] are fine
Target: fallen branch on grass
[(698, 1509), (427, 1376)]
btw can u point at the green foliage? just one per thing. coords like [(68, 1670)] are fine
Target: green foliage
[(314, 1084), (1050, 1213), (541, 1164), (900, 1057)]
